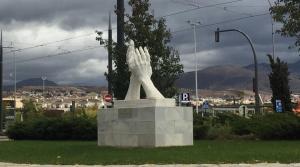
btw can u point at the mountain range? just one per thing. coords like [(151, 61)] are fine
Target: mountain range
[(236, 77), (35, 82), (30, 82), (223, 77)]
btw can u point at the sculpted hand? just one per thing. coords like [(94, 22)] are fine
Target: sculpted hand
[(133, 92), (148, 60), (139, 64)]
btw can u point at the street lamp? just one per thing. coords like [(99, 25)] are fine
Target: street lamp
[(194, 24), (2, 115), (15, 78), (43, 78), (255, 81)]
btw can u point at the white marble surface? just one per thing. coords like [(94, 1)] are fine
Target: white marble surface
[(145, 127), (144, 103), (139, 62)]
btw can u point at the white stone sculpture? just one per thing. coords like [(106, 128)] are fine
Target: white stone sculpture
[(152, 122), (138, 61)]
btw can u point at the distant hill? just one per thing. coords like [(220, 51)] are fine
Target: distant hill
[(236, 77), (35, 82), (295, 68)]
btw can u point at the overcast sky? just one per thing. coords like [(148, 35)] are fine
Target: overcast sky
[(61, 26)]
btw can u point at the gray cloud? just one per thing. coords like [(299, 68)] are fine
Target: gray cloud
[(31, 22), (68, 14)]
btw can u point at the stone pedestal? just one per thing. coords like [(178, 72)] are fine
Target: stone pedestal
[(145, 123)]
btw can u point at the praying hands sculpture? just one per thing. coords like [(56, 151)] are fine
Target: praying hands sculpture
[(138, 61)]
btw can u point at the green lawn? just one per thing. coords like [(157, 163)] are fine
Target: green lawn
[(82, 152)]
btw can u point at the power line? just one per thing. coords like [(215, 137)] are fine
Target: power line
[(222, 22), (52, 42), (200, 7), (53, 55), (62, 40), (249, 6), (224, 8), (49, 43)]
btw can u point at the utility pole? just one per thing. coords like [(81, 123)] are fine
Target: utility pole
[(2, 115), (1, 82), (15, 79), (15, 82), (194, 24), (43, 78), (109, 55)]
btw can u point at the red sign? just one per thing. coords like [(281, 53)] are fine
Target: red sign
[(108, 98)]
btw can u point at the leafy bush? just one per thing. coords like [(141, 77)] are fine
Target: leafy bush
[(200, 126), (242, 126), (200, 131), (276, 126), (42, 128), (53, 113), (219, 132)]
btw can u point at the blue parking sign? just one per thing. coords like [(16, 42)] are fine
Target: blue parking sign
[(278, 106), (185, 97), (205, 105)]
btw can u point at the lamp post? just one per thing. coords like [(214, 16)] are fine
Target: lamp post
[(194, 24), (2, 115), (255, 81), (15, 81), (15, 77), (43, 78)]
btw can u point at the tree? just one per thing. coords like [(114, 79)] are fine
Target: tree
[(145, 30), (30, 109), (288, 13), (279, 83)]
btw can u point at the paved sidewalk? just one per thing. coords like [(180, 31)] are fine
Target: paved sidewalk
[(149, 165)]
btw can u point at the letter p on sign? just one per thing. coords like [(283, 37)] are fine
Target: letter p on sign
[(185, 97)]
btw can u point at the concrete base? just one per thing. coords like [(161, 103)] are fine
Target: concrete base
[(144, 103), (145, 126)]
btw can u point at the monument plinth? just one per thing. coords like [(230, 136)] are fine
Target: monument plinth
[(146, 125), (151, 122)]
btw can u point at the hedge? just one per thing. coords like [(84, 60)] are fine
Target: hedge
[(43, 128), (274, 126)]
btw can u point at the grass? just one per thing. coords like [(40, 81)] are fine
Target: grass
[(87, 152)]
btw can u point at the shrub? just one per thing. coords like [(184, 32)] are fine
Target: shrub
[(277, 126), (200, 131), (42, 128), (242, 126), (201, 126), (274, 126), (219, 132), (225, 118), (53, 113)]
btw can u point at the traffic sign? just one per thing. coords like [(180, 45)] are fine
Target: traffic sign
[(205, 105), (108, 98), (185, 97), (278, 106)]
